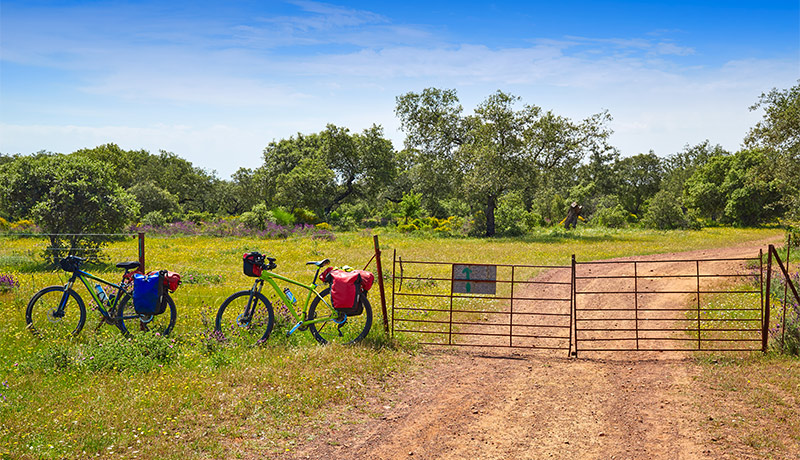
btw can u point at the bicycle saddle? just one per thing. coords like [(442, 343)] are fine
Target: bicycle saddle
[(320, 263), (128, 265)]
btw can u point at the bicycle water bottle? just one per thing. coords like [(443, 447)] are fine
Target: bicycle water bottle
[(289, 295), (101, 293)]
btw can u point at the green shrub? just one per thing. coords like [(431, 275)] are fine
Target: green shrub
[(283, 218), (357, 212), (154, 219), (407, 228), (664, 212), (616, 217), (511, 216), (258, 217), (199, 217), (305, 216), (533, 220)]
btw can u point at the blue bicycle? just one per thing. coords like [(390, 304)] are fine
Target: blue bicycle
[(58, 311)]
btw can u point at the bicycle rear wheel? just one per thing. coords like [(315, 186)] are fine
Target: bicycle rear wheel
[(340, 328), (46, 320), (246, 317), (132, 323)]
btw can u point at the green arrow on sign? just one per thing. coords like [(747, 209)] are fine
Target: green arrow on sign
[(467, 271)]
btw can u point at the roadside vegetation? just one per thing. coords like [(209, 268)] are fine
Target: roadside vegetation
[(186, 396), (509, 168)]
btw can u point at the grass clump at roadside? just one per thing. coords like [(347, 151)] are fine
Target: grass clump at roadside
[(183, 404), (193, 398), (750, 404)]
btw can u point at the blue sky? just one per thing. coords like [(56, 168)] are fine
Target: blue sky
[(215, 82)]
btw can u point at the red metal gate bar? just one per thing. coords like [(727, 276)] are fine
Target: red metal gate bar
[(494, 319), (432, 278), (641, 327), (699, 336), (693, 291), (785, 287), (478, 296), (511, 316), (436, 310), (655, 262), (765, 323), (636, 300)]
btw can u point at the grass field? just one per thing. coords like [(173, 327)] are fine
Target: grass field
[(187, 396)]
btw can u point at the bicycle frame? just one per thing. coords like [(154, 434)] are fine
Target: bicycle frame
[(84, 277), (302, 321)]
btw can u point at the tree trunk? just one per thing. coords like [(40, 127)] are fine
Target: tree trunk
[(491, 205)]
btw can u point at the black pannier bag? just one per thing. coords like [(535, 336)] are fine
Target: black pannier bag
[(253, 263)]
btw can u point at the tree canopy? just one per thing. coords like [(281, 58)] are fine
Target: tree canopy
[(497, 149), (501, 169)]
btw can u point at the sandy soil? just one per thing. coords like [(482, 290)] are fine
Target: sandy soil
[(504, 404)]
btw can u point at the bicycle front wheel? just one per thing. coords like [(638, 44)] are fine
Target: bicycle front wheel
[(55, 313), (132, 323), (339, 328), (246, 317)]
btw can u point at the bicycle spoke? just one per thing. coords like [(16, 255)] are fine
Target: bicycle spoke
[(244, 318), (338, 328), (50, 315)]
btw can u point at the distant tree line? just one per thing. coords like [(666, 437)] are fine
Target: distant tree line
[(501, 170)]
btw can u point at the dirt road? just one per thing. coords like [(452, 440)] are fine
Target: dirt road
[(480, 404)]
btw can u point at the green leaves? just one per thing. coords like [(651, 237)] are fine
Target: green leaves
[(497, 149)]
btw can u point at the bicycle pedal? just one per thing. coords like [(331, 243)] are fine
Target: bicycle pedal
[(294, 328)]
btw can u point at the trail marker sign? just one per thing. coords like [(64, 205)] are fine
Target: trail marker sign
[(474, 279)]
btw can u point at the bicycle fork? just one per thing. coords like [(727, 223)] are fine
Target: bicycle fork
[(247, 315), (57, 313)]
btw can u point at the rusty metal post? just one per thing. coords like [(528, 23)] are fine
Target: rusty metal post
[(765, 325), (141, 251), (450, 319), (511, 312), (573, 311), (394, 270), (380, 285), (761, 281), (697, 268), (636, 300)]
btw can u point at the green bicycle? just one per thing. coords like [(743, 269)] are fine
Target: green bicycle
[(247, 316), (58, 311)]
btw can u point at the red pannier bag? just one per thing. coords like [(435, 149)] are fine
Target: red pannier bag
[(348, 288), (171, 280), (252, 264)]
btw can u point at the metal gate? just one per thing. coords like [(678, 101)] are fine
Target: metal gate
[(607, 306), (669, 305), (461, 304)]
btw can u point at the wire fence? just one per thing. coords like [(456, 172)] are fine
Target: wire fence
[(210, 268)]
